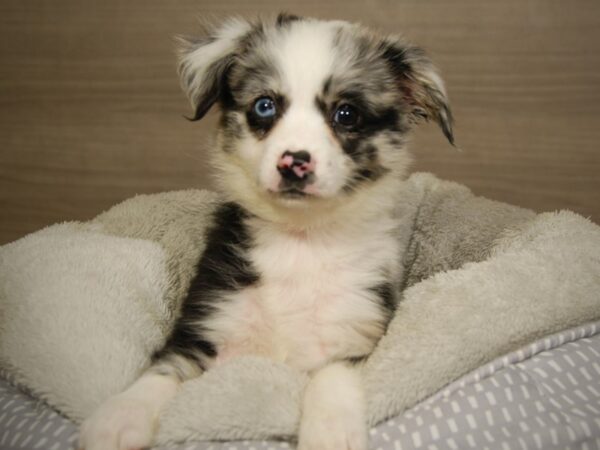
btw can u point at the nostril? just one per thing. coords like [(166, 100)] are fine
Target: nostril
[(299, 157), (285, 162)]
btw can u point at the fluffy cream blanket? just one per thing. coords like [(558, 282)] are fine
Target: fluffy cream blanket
[(84, 305)]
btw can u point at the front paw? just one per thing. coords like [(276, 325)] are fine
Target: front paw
[(121, 423), (333, 412), (341, 430)]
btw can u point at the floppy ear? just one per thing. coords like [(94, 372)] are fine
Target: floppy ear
[(420, 83), (203, 63)]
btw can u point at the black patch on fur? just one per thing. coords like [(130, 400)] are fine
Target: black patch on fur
[(223, 267), (363, 153), (322, 106), (231, 126), (230, 123), (370, 152), (356, 360), (364, 174), (383, 119), (226, 99), (372, 121), (356, 141), (285, 18), (386, 293), (215, 83), (367, 168), (396, 57), (447, 124), (397, 141), (258, 125), (327, 85)]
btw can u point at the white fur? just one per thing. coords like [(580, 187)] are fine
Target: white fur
[(304, 60), (334, 413), (314, 302), (314, 305)]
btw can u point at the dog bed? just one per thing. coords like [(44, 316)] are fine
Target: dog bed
[(84, 305), (545, 395)]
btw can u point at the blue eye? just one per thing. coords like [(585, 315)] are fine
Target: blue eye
[(346, 115), (265, 108)]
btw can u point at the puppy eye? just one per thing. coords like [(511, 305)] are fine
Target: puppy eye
[(265, 107), (346, 116)]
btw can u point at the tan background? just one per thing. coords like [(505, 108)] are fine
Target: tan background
[(91, 111)]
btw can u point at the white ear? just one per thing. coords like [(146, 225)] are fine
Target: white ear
[(203, 62)]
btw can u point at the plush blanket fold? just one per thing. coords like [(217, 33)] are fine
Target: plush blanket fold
[(83, 306)]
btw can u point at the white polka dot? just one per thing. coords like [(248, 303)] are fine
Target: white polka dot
[(416, 439), (489, 418), (473, 402), (471, 421), (452, 425), (435, 433), (491, 398), (470, 441), (452, 444), (508, 394), (488, 436)]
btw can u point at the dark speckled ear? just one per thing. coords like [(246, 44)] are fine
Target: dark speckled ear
[(204, 62), (285, 18), (420, 83)]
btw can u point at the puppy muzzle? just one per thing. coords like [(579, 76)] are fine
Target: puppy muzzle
[(297, 170)]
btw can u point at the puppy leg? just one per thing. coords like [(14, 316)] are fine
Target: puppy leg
[(333, 414), (129, 420)]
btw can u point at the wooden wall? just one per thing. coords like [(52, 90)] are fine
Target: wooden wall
[(91, 110)]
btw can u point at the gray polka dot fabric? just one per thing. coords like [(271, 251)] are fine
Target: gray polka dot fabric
[(28, 424), (544, 396)]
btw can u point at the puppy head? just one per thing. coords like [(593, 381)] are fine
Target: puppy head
[(313, 112)]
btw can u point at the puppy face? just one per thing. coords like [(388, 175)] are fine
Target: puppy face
[(312, 111)]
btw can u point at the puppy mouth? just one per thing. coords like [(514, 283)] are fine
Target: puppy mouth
[(292, 194)]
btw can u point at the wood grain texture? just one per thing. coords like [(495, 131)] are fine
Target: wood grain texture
[(91, 110)]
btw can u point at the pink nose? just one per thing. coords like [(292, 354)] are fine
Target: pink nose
[(295, 166)]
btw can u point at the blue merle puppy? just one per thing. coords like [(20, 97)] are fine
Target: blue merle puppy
[(303, 262)]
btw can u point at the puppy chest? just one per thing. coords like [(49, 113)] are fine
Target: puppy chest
[(317, 300)]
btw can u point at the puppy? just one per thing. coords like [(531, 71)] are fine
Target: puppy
[(303, 261)]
